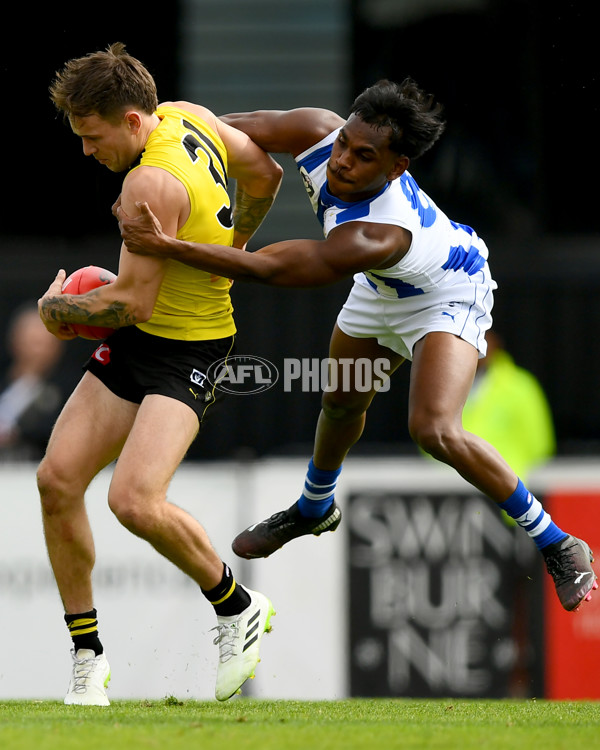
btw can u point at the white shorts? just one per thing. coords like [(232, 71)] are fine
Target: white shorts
[(399, 323)]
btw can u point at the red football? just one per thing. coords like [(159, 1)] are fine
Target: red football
[(81, 281)]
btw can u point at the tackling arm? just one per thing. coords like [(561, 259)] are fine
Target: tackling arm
[(275, 131), (285, 132), (352, 247)]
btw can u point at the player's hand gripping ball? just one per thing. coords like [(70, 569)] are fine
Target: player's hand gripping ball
[(80, 282)]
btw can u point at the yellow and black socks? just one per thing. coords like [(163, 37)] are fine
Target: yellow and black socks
[(228, 597), (83, 629)]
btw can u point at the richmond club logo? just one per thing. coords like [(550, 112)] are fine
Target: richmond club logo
[(102, 354)]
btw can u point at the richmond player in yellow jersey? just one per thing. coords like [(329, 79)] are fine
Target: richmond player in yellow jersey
[(144, 393)]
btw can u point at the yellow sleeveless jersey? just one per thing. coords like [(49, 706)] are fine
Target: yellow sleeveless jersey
[(193, 305)]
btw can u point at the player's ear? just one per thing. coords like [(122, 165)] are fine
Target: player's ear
[(400, 166), (134, 121)]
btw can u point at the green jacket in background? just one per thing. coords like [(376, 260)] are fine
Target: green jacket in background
[(508, 408)]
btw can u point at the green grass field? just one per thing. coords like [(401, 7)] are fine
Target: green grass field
[(243, 723)]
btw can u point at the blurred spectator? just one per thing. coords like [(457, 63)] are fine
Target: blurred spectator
[(30, 395), (508, 408)]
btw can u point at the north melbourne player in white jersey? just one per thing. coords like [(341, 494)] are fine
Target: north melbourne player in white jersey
[(443, 279), (422, 291)]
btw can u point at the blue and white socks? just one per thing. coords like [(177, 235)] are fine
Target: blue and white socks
[(319, 489), (522, 506), (527, 511)]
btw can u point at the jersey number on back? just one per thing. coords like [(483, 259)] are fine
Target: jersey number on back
[(196, 140)]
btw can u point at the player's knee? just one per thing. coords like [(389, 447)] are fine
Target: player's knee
[(47, 487), (434, 436), (56, 486), (338, 410), (130, 511), (124, 508)]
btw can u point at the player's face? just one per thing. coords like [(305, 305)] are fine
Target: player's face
[(361, 161), (113, 145)]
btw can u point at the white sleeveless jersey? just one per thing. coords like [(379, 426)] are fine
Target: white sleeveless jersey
[(445, 259)]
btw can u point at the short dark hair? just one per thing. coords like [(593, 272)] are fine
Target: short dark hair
[(414, 117), (104, 83)]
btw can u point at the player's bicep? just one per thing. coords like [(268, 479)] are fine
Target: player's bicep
[(164, 193), (349, 249), (142, 275), (255, 171), (285, 132)]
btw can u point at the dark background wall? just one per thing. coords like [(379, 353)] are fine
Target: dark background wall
[(518, 162)]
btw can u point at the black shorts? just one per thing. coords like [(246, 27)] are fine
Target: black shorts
[(133, 364)]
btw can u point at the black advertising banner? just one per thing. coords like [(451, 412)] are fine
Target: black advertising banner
[(445, 598)]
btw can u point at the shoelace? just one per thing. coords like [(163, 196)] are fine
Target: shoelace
[(561, 565), (226, 639), (82, 669), (277, 518)]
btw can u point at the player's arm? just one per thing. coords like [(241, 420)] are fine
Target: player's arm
[(349, 248), (258, 177), (285, 131), (131, 298)]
